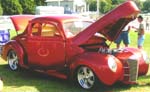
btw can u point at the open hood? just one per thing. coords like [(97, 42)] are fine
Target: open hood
[(21, 21), (111, 24)]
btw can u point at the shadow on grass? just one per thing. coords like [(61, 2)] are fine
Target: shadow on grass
[(45, 83), (145, 81), (39, 81)]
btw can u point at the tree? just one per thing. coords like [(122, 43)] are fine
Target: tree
[(88, 2), (92, 6), (105, 6), (146, 6), (11, 7), (39, 2), (1, 10), (116, 2), (28, 6), (139, 3)]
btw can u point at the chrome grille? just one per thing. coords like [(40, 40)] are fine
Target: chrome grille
[(130, 70)]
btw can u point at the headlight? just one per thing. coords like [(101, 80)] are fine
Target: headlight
[(112, 64), (145, 57)]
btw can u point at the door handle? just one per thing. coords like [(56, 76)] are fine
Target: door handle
[(23, 38)]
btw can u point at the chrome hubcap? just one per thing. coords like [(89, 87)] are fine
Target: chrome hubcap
[(13, 60), (86, 77)]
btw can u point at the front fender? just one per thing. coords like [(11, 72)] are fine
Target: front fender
[(13, 45), (99, 64)]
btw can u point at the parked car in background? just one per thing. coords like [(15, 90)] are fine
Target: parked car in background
[(71, 47)]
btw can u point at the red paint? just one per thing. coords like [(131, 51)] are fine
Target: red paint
[(60, 55)]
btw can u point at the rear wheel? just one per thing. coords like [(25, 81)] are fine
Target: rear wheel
[(13, 60), (86, 77)]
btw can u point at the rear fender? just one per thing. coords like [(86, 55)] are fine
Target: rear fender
[(13, 45)]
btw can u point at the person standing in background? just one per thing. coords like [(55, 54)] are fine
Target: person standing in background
[(141, 32), (147, 24), (123, 37)]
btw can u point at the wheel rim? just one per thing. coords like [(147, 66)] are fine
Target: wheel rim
[(13, 60), (85, 77)]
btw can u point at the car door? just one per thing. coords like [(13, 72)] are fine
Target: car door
[(43, 47)]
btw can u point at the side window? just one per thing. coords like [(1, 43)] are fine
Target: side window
[(36, 29), (48, 30)]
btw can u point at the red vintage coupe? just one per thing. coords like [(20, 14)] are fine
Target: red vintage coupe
[(73, 47)]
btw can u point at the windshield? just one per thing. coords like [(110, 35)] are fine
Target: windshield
[(74, 27)]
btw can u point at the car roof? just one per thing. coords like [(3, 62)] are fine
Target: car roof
[(58, 18), (21, 21)]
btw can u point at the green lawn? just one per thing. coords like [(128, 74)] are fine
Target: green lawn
[(28, 81)]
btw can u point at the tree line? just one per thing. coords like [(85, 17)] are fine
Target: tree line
[(11, 7), (107, 5)]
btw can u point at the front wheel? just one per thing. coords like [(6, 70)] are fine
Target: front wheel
[(13, 60), (86, 78)]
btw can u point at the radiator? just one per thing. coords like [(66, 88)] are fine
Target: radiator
[(130, 70)]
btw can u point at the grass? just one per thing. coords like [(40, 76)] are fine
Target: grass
[(29, 81)]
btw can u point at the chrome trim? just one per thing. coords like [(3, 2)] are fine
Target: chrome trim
[(130, 70)]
